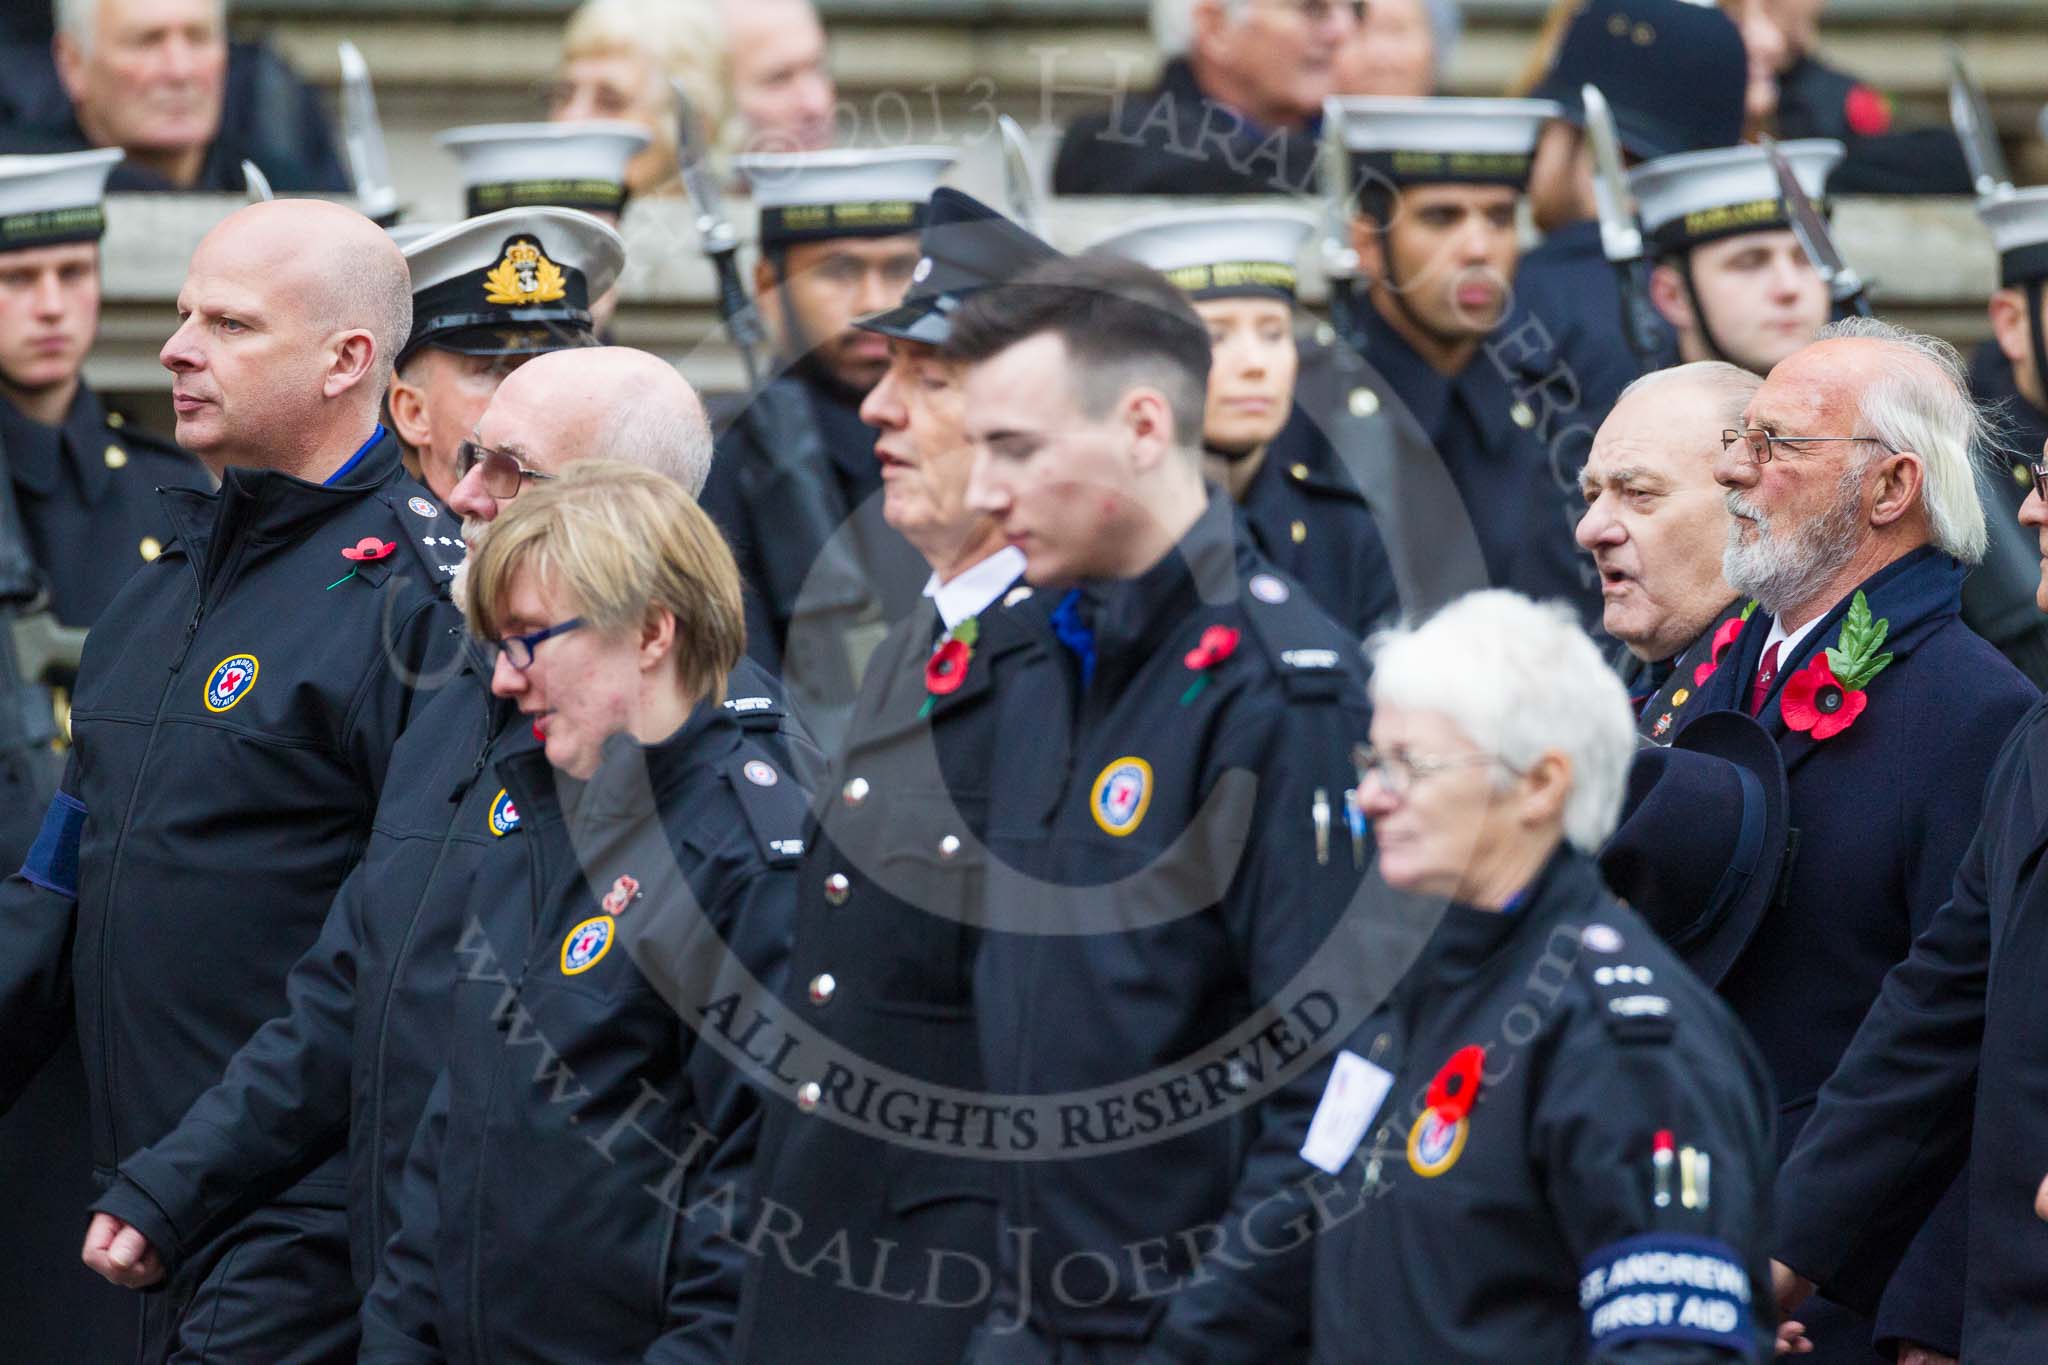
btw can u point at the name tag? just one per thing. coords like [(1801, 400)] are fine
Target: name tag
[(1356, 1090)]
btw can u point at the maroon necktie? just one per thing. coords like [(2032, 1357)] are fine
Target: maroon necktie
[(1766, 674)]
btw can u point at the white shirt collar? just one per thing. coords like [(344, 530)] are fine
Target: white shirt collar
[(1788, 641), (970, 592)]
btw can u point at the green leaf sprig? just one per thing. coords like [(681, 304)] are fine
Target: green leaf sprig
[(1853, 656)]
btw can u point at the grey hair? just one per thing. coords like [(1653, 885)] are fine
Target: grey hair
[(1732, 386), (672, 439), (1932, 415), (1520, 679), (1173, 23), (79, 20)]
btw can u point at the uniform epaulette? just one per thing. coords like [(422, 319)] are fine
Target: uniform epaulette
[(1305, 650), (433, 531), (775, 805), (1629, 996), (756, 713)]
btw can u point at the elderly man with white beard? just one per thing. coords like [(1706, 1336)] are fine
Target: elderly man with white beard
[(1856, 519)]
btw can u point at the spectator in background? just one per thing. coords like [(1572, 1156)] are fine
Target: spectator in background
[(779, 87), (1793, 94), (1238, 108), (159, 79), (618, 57), (1400, 48)]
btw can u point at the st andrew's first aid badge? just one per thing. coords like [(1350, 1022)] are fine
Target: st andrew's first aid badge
[(587, 944), (1438, 1138), (1120, 795), (230, 681), (504, 816)]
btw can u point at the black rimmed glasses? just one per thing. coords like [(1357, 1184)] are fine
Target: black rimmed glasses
[(503, 474), (518, 649), (1758, 444)]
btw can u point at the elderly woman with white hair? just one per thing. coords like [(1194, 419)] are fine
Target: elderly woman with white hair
[(1551, 1142)]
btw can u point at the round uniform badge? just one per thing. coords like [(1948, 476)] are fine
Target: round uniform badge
[(1601, 938), (1434, 1146), (1120, 795), (422, 507), (587, 944), (759, 773), (1267, 589), (230, 681), (504, 816)]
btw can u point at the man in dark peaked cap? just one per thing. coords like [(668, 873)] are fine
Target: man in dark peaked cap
[(489, 294), (883, 959)]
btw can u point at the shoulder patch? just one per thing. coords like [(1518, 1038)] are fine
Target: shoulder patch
[(775, 805), (436, 539), (1628, 995), (1306, 649), (756, 713)]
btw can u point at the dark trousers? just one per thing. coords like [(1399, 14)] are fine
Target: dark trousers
[(273, 1290)]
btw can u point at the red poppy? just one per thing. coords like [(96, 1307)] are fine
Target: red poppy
[(948, 668), (1867, 112), (1815, 701), (1455, 1088), (1217, 644), (1723, 638), (369, 548)]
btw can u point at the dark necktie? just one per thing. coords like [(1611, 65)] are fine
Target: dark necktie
[(1766, 674)]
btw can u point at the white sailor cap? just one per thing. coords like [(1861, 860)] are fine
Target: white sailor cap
[(1696, 197), (1440, 139), (570, 165), (812, 196), (515, 282), (49, 200), (1213, 253), (2018, 223)]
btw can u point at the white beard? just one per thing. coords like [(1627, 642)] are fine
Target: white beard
[(1780, 566)]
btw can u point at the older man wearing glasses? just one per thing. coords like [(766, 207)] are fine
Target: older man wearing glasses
[(364, 1032), (1856, 518), (1949, 1055)]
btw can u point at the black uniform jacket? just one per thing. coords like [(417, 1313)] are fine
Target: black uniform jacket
[(1567, 284), (1161, 883), (1816, 100), (1309, 513), (1176, 140), (1513, 458), (586, 1103), (1884, 819), (366, 1024), (796, 489), (1532, 1229), (87, 494), (1947, 1065), (235, 714), (884, 913), (1661, 691), (1998, 596)]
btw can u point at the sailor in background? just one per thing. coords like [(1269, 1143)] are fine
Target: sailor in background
[(1304, 510), (1439, 181), (838, 242), (568, 165)]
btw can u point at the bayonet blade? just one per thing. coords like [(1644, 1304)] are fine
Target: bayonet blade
[(1621, 239), (1970, 112), (256, 183), (1844, 284), (715, 234), (1333, 188), (1019, 183), (369, 163)]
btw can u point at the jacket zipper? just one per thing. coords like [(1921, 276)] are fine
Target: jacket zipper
[(107, 911)]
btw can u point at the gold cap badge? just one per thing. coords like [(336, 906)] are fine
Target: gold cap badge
[(525, 276)]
